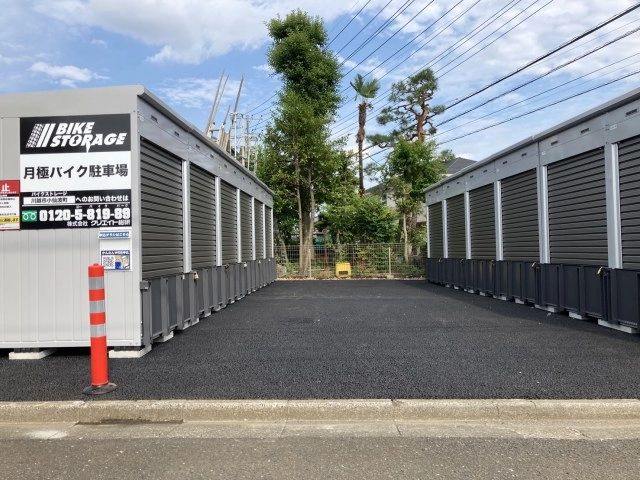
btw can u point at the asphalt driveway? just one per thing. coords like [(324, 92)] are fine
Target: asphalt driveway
[(357, 339)]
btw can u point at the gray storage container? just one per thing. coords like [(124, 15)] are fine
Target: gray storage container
[(113, 176)]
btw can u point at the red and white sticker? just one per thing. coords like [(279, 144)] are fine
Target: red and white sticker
[(9, 205)]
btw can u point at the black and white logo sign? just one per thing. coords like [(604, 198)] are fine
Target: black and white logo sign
[(74, 134), (75, 171)]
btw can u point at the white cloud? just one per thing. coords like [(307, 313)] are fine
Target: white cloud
[(197, 93), (189, 92), (66, 75), (264, 68), (186, 31)]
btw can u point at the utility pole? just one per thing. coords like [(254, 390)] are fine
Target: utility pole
[(233, 120)]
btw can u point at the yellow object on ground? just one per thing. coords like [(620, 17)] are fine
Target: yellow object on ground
[(343, 270)]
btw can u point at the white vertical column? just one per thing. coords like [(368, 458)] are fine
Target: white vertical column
[(497, 202), (612, 188), (186, 216), (428, 232), (467, 223), (239, 224), (543, 215), (445, 232), (253, 228), (264, 231), (218, 224), (271, 253)]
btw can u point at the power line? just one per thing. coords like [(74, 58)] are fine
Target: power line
[(546, 55), (349, 22), (541, 108), (379, 30), (484, 47), (392, 36), (448, 50), (549, 72), (418, 49), (556, 87)]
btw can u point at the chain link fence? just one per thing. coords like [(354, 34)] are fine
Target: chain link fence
[(382, 260)]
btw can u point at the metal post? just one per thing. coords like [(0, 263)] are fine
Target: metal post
[(389, 260)]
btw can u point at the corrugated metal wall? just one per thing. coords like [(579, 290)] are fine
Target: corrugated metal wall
[(578, 210), (629, 163), (229, 223), (203, 218), (246, 240), (259, 226), (456, 232), (436, 240), (520, 217), (161, 212), (268, 238), (483, 223)]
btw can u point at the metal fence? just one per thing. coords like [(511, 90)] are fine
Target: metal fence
[(353, 261)]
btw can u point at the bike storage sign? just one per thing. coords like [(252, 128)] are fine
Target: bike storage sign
[(75, 172)]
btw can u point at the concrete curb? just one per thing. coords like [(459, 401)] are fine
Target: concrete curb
[(178, 411)]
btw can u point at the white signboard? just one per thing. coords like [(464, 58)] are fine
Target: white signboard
[(75, 171)]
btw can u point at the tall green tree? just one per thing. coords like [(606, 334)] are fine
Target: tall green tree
[(365, 90), (409, 111), (413, 163), (409, 169), (298, 149)]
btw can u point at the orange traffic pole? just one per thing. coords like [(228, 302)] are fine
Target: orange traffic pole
[(98, 321)]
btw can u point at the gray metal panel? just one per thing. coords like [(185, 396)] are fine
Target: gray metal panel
[(246, 227), (436, 237), (483, 223), (629, 168), (166, 128), (203, 218), (259, 226), (456, 233), (621, 102), (577, 210), (268, 232), (229, 223), (520, 217), (161, 212)]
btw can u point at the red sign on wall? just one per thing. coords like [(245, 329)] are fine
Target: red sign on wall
[(9, 204)]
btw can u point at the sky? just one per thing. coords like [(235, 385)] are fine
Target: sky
[(180, 50)]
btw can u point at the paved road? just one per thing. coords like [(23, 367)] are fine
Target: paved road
[(352, 451), (357, 339)]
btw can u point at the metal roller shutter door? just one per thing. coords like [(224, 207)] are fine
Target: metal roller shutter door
[(246, 227), (483, 223), (229, 223), (578, 210), (259, 230), (435, 230), (520, 217), (161, 212), (629, 162), (268, 232), (456, 239), (203, 218)]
